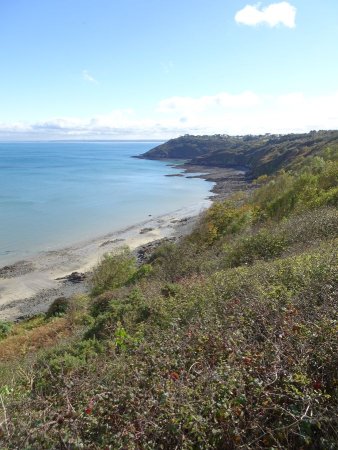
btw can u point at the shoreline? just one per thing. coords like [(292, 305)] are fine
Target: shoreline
[(29, 286), (227, 180)]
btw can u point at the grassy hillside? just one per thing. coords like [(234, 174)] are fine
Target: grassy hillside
[(226, 340), (260, 154)]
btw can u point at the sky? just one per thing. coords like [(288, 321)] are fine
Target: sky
[(157, 69)]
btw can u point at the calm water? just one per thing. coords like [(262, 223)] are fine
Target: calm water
[(55, 194)]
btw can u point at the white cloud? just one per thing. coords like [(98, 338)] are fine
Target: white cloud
[(183, 105), (88, 77), (282, 13), (243, 113)]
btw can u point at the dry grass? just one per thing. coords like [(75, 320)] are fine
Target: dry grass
[(29, 341)]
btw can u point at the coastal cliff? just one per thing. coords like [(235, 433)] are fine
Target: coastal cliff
[(260, 155), (223, 339)]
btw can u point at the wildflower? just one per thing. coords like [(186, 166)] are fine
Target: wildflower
[(89, 408), (174, 376), (317, 385)]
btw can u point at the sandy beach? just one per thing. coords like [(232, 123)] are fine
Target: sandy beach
[(28, 287)]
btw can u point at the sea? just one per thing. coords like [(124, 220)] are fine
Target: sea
[(54, 194)]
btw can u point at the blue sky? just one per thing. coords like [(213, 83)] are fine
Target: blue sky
[(158, 68)]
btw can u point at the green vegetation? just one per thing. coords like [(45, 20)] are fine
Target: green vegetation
[(225, 340), (59, 307), (261, 155), (114, 271), (5, 329)]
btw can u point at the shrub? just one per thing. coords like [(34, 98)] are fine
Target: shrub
[(5, 329), (112, 308), (311, 226), (314, 185), (173, 262), (171, 290), (100, 304), (78, 311), (52, 366), (115, 270), (222, 219), (58, 308), (263, 245), (105, 302), (144, 271)]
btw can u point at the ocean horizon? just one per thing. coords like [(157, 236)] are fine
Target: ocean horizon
[(57, 193)]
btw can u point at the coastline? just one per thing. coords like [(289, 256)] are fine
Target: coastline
[(227, 180), (29, 286)]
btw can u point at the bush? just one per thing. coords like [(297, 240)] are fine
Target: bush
[(144, 271), (78, 311), (52, 366), (247, 356), (173, 262), (311, 226), (223, 219), (100, 304), (58, 308), (314, 185), (104, 302), (125, 306), (263, 245), (115, 270), (171, 290), (5, 329)]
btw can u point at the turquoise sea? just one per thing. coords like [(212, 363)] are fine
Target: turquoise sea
[(53, 194)]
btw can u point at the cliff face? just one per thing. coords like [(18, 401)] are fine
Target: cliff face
[(185, 147), (260, 154)]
